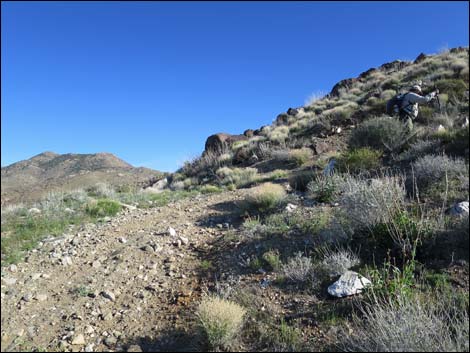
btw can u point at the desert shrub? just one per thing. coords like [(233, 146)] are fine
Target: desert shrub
[(433, 168), (285, 338), (300, 180), (324, 188), (388, 94), (209, 189), (300, 156), (383, 133), (238, 176), (102, 190), (273, 259), (281, 155), (265, 197), (299, 269), (419, 149), (337, 261), (454, 88), (279, 134), (366, 203), (359, 159), (376, 106), (457, 142), (221, 321), (208, 162), (408, 324), (102, 208)]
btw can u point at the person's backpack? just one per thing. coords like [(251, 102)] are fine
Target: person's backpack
[(394, 104)]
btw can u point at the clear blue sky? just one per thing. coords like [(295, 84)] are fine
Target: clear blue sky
[(150, 81)]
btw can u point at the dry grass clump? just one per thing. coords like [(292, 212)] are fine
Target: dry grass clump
[(337, 261), (368, 202), (299, 269), (409, 325), (221, 320), (266, 197), (382, 133), (433, 168), (237, 176)]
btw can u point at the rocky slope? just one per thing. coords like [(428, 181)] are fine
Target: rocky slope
[(31, 179)]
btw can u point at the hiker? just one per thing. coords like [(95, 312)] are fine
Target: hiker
[(408, 110)]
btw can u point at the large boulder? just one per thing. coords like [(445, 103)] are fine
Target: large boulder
[(218, 141), (292, 111), (349, 283)]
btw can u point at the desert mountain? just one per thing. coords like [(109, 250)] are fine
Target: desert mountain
[(30, 179)]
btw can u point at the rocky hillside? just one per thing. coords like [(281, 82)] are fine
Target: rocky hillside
[(335, 228), (31, 179)]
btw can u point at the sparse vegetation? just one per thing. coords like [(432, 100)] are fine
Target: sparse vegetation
[(221, 321), (266, 197)]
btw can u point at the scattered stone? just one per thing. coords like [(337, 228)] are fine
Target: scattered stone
[(34, 210), (35, 276), (134, 348), (69, 210), (184, 240), (45, 276), (147, 248), (171, 232), (122, 240), (89, 348), (89, 329), (66, 261), (78, 340), (9, 281), (41, 297), (27, 297), (13, 268), (349, 283), (291, 207), (110, 341), (96, 264), (108, 295)]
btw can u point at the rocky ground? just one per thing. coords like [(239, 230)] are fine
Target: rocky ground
[(111, 285), (133, 283)]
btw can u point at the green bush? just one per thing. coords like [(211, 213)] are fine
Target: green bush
[(359, 160), (324, 188), (102, 208), (385, 133), (273, 259)]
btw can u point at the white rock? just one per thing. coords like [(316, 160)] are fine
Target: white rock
[(183, 240), (13, 268), (122, 240), (441, 128), (459, 209), (34, 210), (171, 232), (291, 207), (69, 210), (89, 348), (66, 261), (41, 297), (89, 329), (9, 281), (78, 340), (349, 283)]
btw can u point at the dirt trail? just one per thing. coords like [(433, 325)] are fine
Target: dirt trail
[(123, 282)]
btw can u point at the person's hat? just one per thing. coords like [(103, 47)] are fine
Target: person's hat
[(416, 88)]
